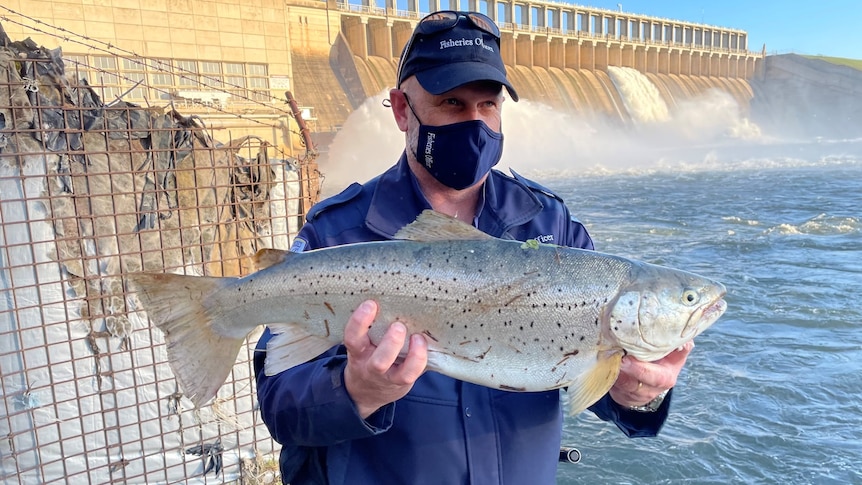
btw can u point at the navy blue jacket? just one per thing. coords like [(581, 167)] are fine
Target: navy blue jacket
[(444, 431)]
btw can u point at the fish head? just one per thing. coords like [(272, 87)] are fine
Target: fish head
[(661, 309)]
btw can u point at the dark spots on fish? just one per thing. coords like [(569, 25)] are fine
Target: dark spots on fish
[(597, 321), (582, 338), (559, 325), (306, 315)]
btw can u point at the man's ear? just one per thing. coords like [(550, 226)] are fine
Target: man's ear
[(399, 108)]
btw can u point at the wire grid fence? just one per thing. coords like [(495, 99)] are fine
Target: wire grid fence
[(90, 192)]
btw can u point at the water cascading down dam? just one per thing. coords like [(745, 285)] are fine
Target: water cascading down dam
[(570, 57)]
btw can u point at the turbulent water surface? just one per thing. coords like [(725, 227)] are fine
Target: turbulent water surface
[(772, 393)]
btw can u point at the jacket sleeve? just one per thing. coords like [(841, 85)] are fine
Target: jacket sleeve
[(308, 405), (632, 423)]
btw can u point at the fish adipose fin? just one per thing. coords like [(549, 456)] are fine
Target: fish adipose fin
[(435, 226), (592, 385), (200, 358), (293, 346)]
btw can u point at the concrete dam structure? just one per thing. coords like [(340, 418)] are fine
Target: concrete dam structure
[(566, 56)]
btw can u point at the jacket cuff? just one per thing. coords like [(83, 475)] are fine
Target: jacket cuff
[(634, 424)]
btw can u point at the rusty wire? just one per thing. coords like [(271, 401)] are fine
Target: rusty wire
[(88, 193)]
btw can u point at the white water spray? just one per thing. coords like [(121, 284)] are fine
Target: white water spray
[(706, 132)]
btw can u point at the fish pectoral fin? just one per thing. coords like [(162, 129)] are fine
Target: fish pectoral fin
[(590, 386), (431, 225), (293, 346), (266, 257)]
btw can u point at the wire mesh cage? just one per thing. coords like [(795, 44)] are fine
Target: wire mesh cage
[(90, 192)]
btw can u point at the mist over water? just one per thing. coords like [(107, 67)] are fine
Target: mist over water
[(771, 392), (709, 131)]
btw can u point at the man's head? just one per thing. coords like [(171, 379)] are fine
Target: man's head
[(449, 49)]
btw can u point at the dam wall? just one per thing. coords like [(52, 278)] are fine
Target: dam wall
[(219, 59), (560, 54)]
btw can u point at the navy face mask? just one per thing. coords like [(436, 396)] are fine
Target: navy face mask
[(460, 154)]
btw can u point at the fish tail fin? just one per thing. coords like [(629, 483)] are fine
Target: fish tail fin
[(595, 383), (200, 357)]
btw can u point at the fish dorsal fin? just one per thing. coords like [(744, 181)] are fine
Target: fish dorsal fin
[(595, 383), (266, 257), (435, 226)]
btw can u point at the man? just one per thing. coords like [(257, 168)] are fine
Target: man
[(360, 415)]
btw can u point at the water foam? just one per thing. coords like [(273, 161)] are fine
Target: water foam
[(705, 133)]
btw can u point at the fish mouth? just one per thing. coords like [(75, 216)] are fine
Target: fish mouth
[(703, 318)]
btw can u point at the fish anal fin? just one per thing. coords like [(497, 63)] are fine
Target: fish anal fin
[(590, 386), (292, 345), (431, 225), (266, 257)]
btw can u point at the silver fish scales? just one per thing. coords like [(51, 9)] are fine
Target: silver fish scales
[(518, 316)]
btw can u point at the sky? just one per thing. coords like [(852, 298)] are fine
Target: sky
[(822, 27)]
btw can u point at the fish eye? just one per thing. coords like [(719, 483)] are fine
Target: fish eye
[(690, 297)]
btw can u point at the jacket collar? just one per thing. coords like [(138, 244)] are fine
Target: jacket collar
[(397, 200)]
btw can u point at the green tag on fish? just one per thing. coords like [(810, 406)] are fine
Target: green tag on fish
[(530, 244)]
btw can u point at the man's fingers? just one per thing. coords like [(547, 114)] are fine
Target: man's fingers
[(389, 348), (356, 330), (659, 374), (414, 364)]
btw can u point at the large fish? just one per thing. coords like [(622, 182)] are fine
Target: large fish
[(518, 316)]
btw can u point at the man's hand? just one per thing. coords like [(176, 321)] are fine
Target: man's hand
[(374, 375), (640, 382)]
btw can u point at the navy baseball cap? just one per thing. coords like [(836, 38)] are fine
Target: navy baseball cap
[(449, 49)]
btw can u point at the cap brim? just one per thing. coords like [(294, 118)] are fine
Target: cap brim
[(452, 75)]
